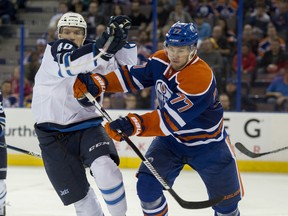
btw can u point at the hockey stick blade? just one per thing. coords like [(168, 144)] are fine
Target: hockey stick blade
[(251, 154), (4, 145), (181, 202), (195, 205)]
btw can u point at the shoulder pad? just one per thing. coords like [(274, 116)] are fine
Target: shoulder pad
[(62, 46)]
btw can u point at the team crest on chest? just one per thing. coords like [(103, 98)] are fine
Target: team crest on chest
[(163, 92)]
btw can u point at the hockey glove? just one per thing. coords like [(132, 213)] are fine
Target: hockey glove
[(95, 84), (118, 27), (129, 125), (123, 21)]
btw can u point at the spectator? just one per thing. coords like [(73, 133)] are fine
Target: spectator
[(7, 12), (161, 14), (179, 14), (139, 20), (249, 61), (62, 8), (144, 47), (265, 43), (219, 41), (15, 82), (34, 59), (228, 32), (203, 27), (9, 100), (78, 7), (249, 37), (259, 19), (277, 91), (72, 4), (225, 101), (270, 62), (280, 19), (226, 9), (94, 16), (214, 59), (94, 33), (246, 103), (205, 8), (117, 10)]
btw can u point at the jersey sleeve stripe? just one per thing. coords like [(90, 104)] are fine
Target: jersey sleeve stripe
[(128, 78), (67, 63), (195, 130), (169, 122), (203, 135), (95, 53), (2, 121), (60, 74), (174, 115)]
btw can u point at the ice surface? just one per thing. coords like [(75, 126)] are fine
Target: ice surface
[(31, 194)]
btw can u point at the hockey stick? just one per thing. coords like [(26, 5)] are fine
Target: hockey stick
[(4, 145), (102, 51), (181, 202), (251, 154)]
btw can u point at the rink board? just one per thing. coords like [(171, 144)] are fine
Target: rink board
[(260, 132)]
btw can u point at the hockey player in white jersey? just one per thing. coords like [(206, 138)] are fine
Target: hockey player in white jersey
[(70, 133)]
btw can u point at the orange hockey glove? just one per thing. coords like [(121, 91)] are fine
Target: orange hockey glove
[(95, 84), (129, 125)]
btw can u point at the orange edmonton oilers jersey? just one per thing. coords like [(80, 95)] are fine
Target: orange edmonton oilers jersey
[(189, 109)]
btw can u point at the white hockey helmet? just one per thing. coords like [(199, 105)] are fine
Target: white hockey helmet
[(72, 19)]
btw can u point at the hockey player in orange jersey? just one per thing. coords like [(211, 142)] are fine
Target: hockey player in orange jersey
[(188, 124)]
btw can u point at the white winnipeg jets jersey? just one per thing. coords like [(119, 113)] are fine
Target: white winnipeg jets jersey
[(53, 100)]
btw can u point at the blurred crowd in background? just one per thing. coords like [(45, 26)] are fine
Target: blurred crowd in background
[(264, 69)]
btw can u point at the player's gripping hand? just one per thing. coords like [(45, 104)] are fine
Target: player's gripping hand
[(118, 27), (129, 125), (95, 84), (123, 21)]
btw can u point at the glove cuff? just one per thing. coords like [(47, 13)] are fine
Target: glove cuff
[(100, 81), (136, 121), (106, 56)]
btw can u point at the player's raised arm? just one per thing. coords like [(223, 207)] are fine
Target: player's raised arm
[(73, 53)]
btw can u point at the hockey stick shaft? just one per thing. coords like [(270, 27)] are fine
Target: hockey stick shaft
[(4, 145), (251, 154), (181, 202), (102, 51)]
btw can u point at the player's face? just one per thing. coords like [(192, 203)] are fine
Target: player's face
[(178, 56), (74, 34)]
